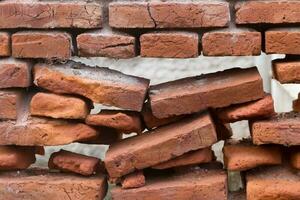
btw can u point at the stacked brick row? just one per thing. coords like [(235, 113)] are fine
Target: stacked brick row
[(46, 99)]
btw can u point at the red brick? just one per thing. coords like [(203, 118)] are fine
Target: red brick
[(273, 183), (15, 73), (242, 156), (295, 158), (58, 106), (271, 12), (169, 45), (55, 14), (5, 49), (114, 45), (67, 161), (153, 122), (101, 85), (10, 101), (282, 41), (168, 14), (42, 45), (105, 136), (160, 145), (133, 180), (262, 108), (15, 158), (40, 184), (199, 184), (232, 42), (214, 90), (123, 121), (296, 104), (286, 71), (281, 129), (191, 158)]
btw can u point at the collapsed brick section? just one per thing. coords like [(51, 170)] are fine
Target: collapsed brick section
[(203, 183), (101, 85), (42, 45), (215, 90), (168, 14), (160, 145), (55, 14), (277, 130), (40, 184), (169, 45)]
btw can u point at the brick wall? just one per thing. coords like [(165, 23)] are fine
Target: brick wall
[(47, 98)]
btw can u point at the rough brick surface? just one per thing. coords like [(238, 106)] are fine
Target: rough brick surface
[(10, 100), (39, 184), (55, 14), (5, 49), (42, 45), (123, 121), (191, 158), (244, 156), (262, 108), (272, 12), (281, 129), (215, 90), (58, 106), (168, 14), (169, 45), (43, 132), (67, 161), (231, 43), (160, 145), (112, 45), (105, 136), (223, 130), (282, 41), (295, 158), (133, 180), (202, 184), (101, 85), (273, 183), (14, 73), (14, 158), (286, 71)]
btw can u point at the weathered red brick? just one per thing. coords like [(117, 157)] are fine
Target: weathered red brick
[(123, 121), (281, 129), (160, 145), (43, 132), (168, 14), (198, 184), (51, 14), (114, 45), (231, 42), (262, 108), (191, 158), (169, 45), (15, 158), (10, 101), (271, 12), (133, 180), (242, 156), (214, 90), (58, 106), (5, 49), (15, 73), (153, 122), (286, 71), (101, 85), (42, 45), (67, 161), (223, 130), (272, 183), (37, 184), (296, 104), (295, 157), (282, 41)]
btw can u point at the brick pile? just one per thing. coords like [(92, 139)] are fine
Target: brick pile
[(46, 99)]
